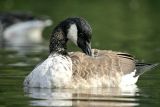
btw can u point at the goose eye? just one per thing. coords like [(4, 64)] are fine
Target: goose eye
[(81, 35), (84, 37)]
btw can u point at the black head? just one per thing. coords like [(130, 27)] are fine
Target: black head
[(78, 31)]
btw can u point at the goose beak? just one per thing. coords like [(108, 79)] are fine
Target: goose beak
[(87, 50)]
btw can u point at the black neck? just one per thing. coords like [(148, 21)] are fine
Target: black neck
[(58, 42)]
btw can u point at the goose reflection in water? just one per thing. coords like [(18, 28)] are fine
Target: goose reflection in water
[(84, 97)]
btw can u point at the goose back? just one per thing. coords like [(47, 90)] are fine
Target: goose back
[(103, 69)]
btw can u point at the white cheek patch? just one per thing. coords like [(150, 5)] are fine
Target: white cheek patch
[(72, 33)]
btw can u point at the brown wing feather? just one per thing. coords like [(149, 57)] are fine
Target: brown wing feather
[(108, 66), (103, 62), (127, 62)]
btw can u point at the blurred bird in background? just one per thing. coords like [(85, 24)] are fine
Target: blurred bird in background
[(18, 29)]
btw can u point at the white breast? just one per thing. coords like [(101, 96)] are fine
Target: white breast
[(55, 71)]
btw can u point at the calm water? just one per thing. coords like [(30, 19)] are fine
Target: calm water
[(129, 25), (14, 66)]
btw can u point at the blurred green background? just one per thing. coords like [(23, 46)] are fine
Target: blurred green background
[(121, 25), (131, 26)]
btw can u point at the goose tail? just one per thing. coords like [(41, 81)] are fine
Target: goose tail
[(143, 67)]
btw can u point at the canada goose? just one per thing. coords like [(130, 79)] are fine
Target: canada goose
[(93, 68), (21, 29)]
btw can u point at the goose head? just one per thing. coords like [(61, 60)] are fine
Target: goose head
[(75, 29)]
